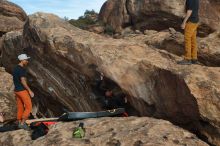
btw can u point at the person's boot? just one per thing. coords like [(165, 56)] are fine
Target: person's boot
[(195, 61), (23, 126), (184, 62)]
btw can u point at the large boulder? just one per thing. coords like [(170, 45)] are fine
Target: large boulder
[(158, 15), (6, 83), (56, 89), (62, 56), (210, 13), (132, 131), (11, 40), (9, 24), (173, 42), (210, 49), (114, 9), (7, 98), (12, 17)]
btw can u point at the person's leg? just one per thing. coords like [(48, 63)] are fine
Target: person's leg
[(188, 33), (20, 108), (25, 97), (194, 43)]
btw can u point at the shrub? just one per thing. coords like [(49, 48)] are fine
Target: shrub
[(109, 30), (89, 18)]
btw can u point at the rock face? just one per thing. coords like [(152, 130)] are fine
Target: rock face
[(109, 131), (210, 45), (210, 13), (115, 8), (96, 29), (7, 99), (67, 87), (62, 56), (12, 17), (158, 15), (173, 42), (6, 83)]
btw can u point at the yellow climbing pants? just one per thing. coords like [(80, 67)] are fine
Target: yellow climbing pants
[(190, 41)]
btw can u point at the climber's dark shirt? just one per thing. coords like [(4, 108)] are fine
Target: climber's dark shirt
[(194, 6)]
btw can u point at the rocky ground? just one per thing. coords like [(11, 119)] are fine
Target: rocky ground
[(131, 131)]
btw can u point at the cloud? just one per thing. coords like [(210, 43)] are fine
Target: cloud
[(68, 8)]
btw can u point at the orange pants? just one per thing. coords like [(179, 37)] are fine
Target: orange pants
[(24, 105), (190, 41)]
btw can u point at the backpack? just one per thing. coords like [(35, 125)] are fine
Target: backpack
[(9, 127), (39, 129), (79, 132)]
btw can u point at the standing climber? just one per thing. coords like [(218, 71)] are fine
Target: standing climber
[(190, 25), (22, 91)]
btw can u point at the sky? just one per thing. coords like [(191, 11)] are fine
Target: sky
[(69, 8)]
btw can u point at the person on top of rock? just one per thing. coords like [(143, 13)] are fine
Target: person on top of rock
[(23, 92), (190, 25)]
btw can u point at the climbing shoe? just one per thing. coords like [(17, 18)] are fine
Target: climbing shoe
[(24, 126), (195, 61), (184, 62)]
